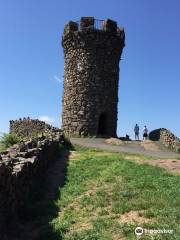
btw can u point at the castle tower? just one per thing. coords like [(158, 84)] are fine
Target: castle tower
[(92, 50)]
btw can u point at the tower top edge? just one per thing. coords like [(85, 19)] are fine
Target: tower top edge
[(86, 24)]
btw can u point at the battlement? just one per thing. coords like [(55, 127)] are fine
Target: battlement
[(89, 24)]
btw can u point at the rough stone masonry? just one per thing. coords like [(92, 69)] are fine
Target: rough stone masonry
[(166, 137), (92, 51), (23, 164)]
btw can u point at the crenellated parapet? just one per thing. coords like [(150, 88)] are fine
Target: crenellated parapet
[(90, 24)]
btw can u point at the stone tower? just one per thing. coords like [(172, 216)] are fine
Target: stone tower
[(92, 50)]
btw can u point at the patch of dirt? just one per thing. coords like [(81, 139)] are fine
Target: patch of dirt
[(87, 225), (149, 145), (171, 165), (114, 141), (133, 217), (136, 158), (117, 237), (80, 226), (74, 155), (104, 154)]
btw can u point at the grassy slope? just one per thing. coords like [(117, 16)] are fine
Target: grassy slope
[(103, 188)]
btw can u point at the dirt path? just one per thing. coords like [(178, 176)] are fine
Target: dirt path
[(132, 147)]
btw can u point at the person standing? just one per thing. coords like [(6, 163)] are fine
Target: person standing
[(145, 133), (136, 132)]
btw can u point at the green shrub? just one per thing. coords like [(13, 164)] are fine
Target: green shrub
[(7, 140), (178, 150)]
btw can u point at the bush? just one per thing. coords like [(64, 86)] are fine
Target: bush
[(7, 140)]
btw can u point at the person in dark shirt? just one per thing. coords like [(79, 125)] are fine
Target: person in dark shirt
[(136, 132)]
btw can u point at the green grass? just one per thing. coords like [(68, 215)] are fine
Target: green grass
[(102, 188)]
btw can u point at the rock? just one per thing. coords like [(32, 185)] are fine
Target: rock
[(166, 137)]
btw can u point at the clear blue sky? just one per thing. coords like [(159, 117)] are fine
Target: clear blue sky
[(31, 59)]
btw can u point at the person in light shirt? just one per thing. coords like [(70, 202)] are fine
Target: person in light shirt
[(145, 133)]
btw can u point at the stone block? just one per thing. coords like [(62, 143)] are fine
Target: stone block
[(86, 23), (110, 26)]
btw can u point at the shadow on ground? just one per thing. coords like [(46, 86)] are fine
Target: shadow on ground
[(34, 223)]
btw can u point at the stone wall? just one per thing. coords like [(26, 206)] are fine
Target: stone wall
[(27, 127), (92, 50), (166, 137), (20, 166)]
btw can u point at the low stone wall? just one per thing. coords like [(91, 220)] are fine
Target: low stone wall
[(27, 127), (20, 166), (166, 137)]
